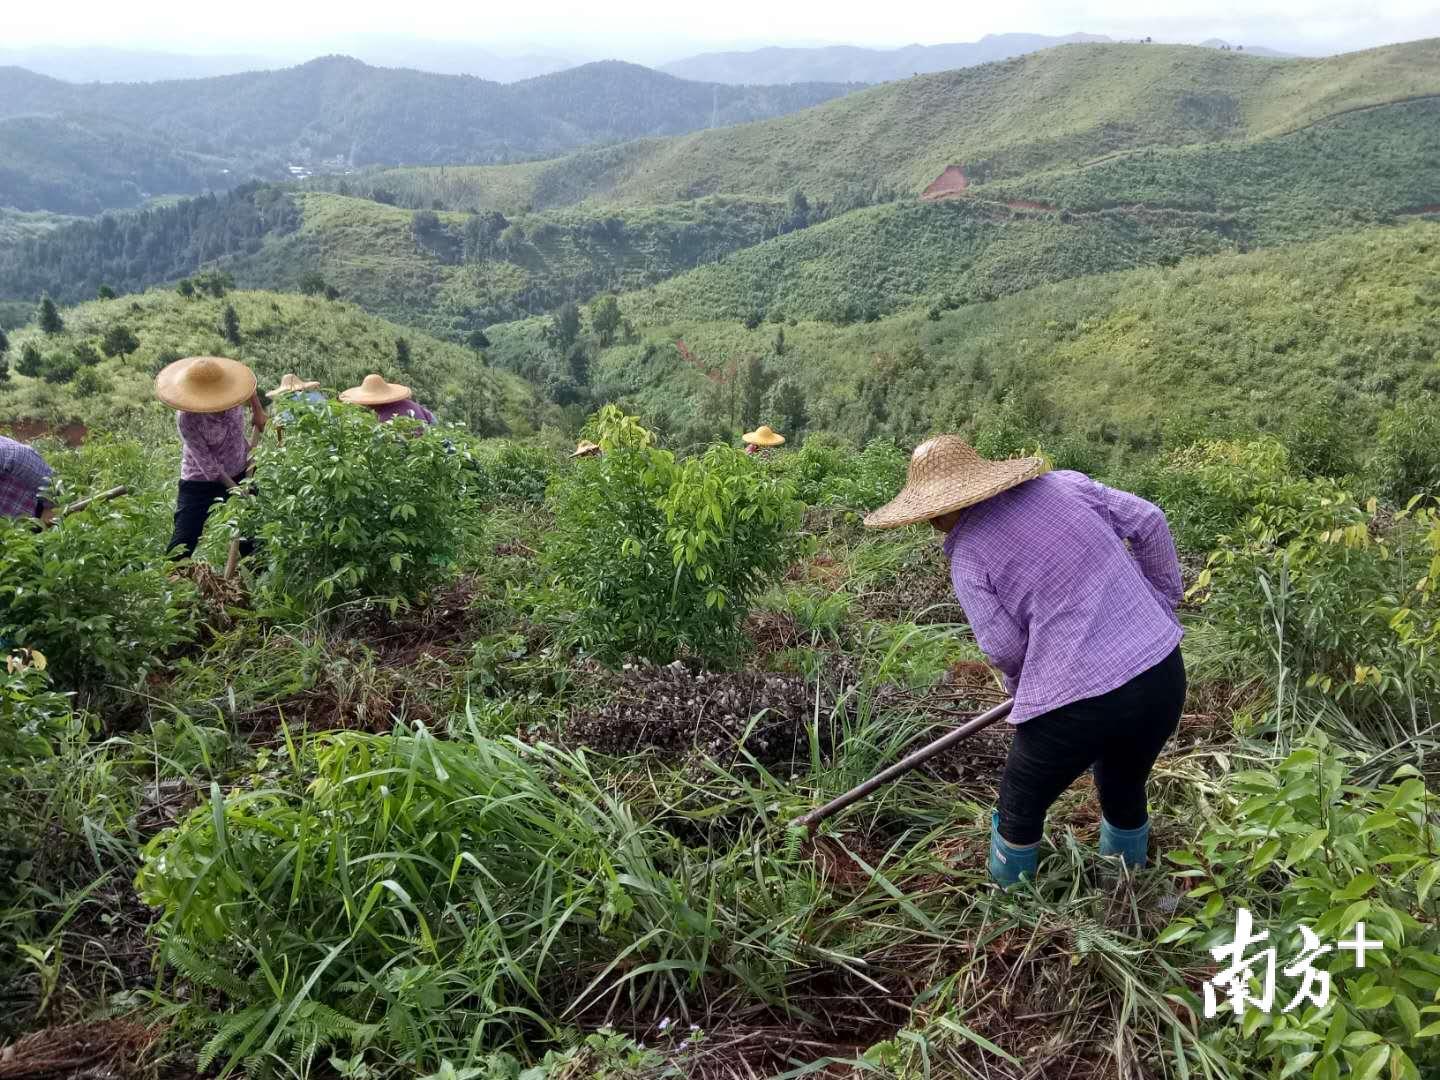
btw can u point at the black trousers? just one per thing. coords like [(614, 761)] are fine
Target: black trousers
[(1118, 734), (192, 509)]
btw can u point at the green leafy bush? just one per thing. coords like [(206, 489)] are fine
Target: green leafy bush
[(1407, 452), (348, 508), (32, 716), (515, 472), (830, 473), (650, 556), (94, 594), (1302, 844)]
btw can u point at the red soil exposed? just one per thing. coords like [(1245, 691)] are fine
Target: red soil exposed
[(950, 182), (72, 434)]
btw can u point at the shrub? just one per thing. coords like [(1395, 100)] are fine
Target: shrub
[(32, 716), (830, 473), (93, 594), (1407, 452), (348, 508), (516, 473), (1303, 844), (651, 556)]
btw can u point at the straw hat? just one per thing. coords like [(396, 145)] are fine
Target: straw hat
[(205, 384), (374, 390), (290, 383), (946, 475), (586, 448), (763, 436)]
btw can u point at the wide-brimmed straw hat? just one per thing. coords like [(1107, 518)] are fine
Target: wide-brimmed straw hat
[(763, 436), (586, 448), (290, 383), (205, 384), (374, 390), (946, 474)]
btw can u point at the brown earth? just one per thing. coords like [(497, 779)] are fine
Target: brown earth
[(72, 434), (116, 1049), (950, 182)]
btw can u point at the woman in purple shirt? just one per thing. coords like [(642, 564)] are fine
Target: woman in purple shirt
[(388, 400), (208, 394), (1071, 588)]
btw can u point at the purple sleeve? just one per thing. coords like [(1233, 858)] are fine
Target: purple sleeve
[(999, 636), (1142, 525)]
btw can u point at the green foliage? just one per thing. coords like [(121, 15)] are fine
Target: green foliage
[(651, 556), (349, 508), (31, 360), (119, 341), (1407, 451), (517, 473), (49, 318), (1301, 843), (33, 718), (827, 472), (401, 863), (605, 319), (93, 594)]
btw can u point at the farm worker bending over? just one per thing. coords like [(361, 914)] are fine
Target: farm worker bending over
[(1081, 626), (292, 394), (388, 400), (207, 393), (762, 439), (23, 475)]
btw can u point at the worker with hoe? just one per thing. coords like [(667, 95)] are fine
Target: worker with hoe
[(762, 440), (1071, 588), (23, 476), (208, 394)]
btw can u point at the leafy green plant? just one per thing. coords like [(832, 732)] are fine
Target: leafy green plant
[(32, 716), (830, 473), (348, 508), (651, 556), (1407, 452), (94, 594), (1300, 843)]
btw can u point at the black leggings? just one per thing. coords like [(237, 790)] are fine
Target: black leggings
[(192, 508), (1120, 734)]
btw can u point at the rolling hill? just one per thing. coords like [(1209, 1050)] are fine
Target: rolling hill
[(339, 110), (336, 343), (1104, 364), (849, 63), (1061, 107)]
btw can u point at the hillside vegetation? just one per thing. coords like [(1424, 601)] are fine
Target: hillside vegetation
[(333, 342), (1342, 328), (341, 110), (1063, 106)]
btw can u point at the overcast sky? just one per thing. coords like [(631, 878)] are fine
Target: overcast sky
[(654, 30)]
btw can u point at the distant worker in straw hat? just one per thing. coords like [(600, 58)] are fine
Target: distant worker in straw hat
[(1071, 588), (208, 394), (762, 440), (291, 394), (386, 399), (24, 474), (586, 448)]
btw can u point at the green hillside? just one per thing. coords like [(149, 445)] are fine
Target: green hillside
[(452, 272), (333, 342), (1062, 106), (1354, 167), (1345, 326)]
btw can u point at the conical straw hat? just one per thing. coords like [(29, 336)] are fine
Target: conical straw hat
[(374, 390), (946, 475), (205, 384), (290, 383), (763, 436), (586, 448)]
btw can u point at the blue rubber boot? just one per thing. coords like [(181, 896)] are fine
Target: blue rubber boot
[(1132, 845), (1010, 862)]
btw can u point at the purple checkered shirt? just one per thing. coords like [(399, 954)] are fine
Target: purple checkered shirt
[(23, 473), (1056, 599), (211, 444)]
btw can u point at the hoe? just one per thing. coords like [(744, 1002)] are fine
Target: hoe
[(809, 821)]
